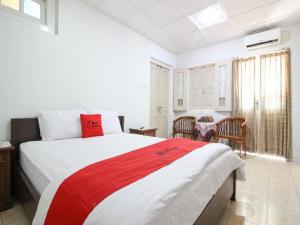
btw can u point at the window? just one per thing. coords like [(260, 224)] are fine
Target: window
[(13, 4), (260, 79), (33, 8), (38, 12), (222, 84)]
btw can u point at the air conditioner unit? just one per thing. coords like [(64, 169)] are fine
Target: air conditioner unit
[(262, 39)]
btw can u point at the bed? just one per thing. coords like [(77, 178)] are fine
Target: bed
[(36, 164)]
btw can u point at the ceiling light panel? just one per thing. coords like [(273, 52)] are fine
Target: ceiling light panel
[(208, 16)]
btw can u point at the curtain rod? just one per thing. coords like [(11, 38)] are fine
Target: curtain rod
[(160, 63), (202, 66), (262, 53)]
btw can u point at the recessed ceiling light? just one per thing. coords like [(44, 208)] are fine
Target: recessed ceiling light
[(208, 16)]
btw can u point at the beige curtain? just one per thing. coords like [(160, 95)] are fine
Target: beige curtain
[(244, 96), (262, 94), (275, 105)]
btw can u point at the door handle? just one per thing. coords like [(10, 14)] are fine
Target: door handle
[(159, 108)]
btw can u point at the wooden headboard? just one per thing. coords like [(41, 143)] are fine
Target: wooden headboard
[(27, 129)]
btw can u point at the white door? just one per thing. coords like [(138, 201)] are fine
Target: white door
[(159, 88), (195, 89), (202, 87), (209, 87)]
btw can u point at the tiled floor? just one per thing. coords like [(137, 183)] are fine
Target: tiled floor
[(270, 196), (13, 216)]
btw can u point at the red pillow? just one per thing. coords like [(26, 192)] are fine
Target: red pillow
[(91, 125)]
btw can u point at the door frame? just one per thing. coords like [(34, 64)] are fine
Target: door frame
[(170, 92)]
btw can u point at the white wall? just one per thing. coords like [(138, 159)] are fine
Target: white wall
[(93, 62), (234, 48), (161, 54)]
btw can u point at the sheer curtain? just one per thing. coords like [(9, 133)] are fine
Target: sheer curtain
[(275, 105), (244, 77), (261, 87)]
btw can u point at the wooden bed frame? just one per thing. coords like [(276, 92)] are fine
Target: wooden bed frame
[(23, 130)]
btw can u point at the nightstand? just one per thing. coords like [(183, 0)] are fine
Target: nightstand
[(5, 178), (144, 131)]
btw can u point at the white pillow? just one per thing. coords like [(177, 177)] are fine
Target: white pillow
[(110, 120), (60, 124)]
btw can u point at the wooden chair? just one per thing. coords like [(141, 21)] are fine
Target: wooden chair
[(185, 125), (234, 129)]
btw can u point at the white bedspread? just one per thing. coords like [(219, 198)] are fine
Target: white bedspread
[(175, 194), (44, 161)]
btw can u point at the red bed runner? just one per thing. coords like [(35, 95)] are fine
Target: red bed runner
[(81, 192)]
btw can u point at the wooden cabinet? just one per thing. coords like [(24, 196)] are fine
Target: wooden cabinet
[(202, 87), (144, 131), (210, 87), (5, 178), (180, 89)]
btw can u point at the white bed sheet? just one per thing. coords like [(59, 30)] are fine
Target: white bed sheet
[(43, 162)]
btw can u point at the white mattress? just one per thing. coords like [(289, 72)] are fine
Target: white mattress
[(44, 161)]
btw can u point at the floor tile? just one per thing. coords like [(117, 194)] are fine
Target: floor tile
[(296, 180), (252, 213), (269, 196), (233, 219), (283, 217), (292, 208), (252, 198), (14, 216)]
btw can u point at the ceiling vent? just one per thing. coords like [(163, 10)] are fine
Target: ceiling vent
[(262, 39)]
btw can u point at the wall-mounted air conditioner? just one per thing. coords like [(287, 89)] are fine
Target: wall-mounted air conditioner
[(262, 39)]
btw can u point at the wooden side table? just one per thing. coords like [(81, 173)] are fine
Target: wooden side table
[(144, 131), (5, 178)]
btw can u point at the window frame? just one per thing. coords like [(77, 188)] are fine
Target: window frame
[(21, 14)]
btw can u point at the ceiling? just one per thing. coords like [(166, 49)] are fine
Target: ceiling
[(166, 22)]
